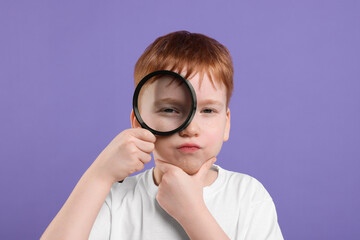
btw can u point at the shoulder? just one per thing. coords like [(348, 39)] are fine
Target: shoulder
[(129, 183), (245, 186), (129, 188)]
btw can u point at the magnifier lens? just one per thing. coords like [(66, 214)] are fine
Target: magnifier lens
[(164, 102)]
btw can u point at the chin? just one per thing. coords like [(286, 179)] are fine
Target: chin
[(190, 171), (189, 164), (191, 168)]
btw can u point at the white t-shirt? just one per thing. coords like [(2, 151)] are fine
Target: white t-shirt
[(239, 203)]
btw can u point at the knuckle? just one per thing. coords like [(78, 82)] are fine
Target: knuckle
[(139, 167), (133, 168), (147, 160), (175, 173), (126, 143), (130, 139), (164, 179), (123, 134), (132, 149)]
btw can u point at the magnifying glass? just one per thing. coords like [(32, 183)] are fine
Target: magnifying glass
[(164, 102)]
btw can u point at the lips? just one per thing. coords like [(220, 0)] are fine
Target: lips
[(189, 147)]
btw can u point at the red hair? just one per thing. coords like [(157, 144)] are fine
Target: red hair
[(193, 52)]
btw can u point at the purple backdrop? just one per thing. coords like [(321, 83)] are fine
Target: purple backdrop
[(66, 89)]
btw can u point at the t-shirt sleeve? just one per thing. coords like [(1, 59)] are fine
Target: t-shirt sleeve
[(102, 225), (262, 222)]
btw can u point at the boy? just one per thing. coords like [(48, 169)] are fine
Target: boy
[(185, 195)]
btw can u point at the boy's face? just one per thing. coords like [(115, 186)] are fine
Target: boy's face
[(203, 137)]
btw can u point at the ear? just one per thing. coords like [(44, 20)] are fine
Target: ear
[(134, 122), (227, 125)]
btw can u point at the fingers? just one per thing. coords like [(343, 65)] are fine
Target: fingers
[(205, 167), (144, 141), (144, 157), (143, 134), (141, 138), (147, 147)]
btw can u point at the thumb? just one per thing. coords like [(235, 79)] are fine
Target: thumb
[(205, 168)]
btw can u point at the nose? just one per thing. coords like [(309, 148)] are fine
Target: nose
[(192, 130)]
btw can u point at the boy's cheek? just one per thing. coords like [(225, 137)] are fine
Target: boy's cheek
[(215, 141), (215, 149)]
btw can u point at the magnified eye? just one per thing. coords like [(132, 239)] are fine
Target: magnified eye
[(169, 110)]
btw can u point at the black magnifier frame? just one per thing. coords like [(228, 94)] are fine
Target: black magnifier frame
[(193, 102)]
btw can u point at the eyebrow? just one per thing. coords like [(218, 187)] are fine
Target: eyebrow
[(211, 102), (168, 100)]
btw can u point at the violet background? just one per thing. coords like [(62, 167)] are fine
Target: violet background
[(66, 89)]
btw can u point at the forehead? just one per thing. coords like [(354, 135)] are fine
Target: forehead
[(207, 88)]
